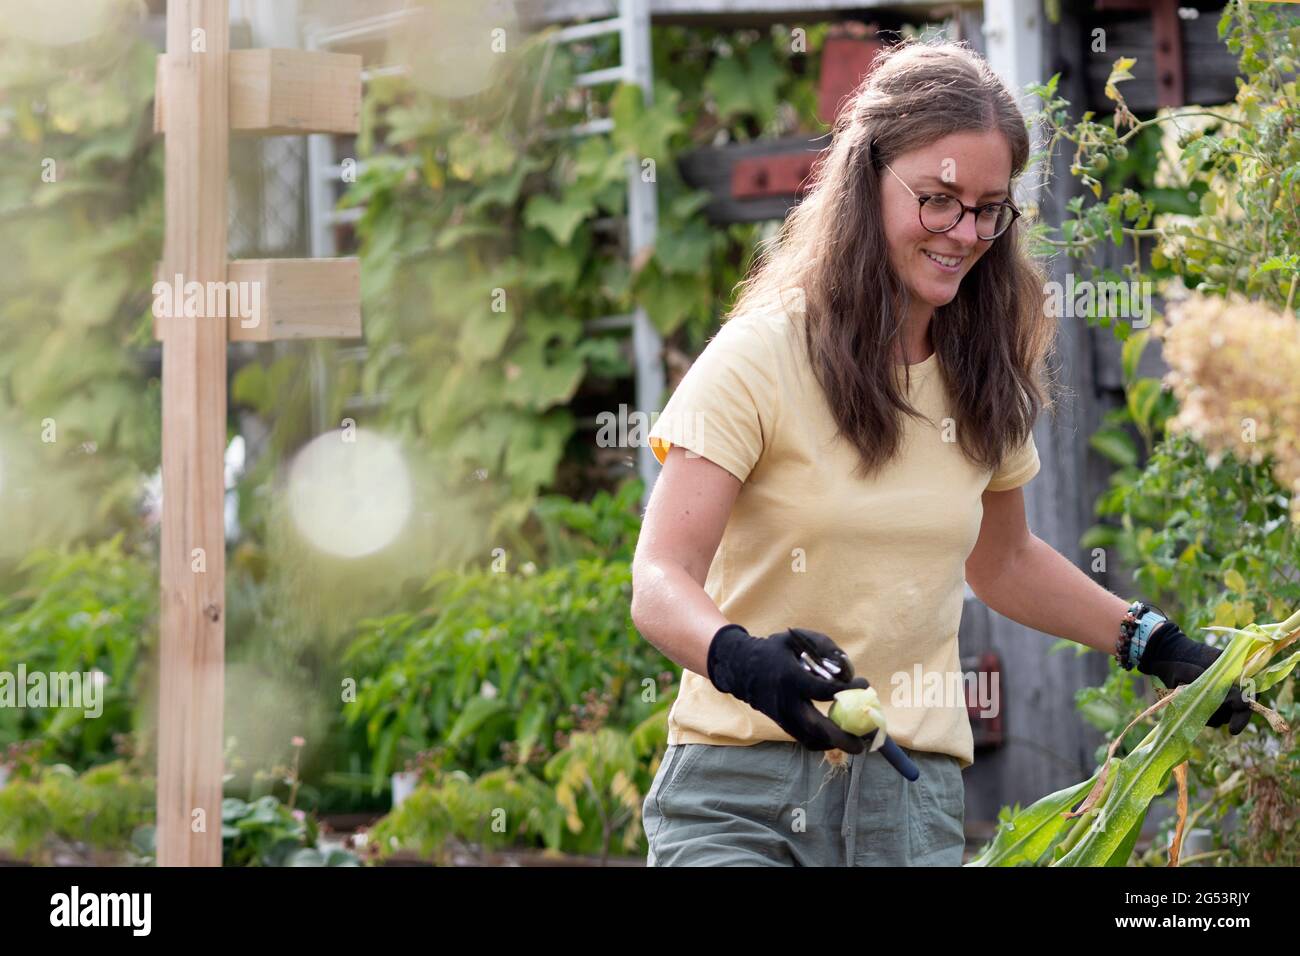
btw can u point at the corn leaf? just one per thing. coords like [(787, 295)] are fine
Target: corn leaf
[(1034, 830), (1275, 672), (1144, 774)]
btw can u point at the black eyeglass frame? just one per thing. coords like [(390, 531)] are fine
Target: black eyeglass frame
[(922, 199)]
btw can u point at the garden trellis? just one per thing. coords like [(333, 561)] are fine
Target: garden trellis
[(205, 91)]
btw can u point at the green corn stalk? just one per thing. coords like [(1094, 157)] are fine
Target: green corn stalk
[(1105, 836)]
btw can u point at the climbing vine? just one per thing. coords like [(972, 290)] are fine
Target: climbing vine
[(489, 238)]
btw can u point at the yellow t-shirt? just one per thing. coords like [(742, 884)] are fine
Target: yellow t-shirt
[(877, 564)]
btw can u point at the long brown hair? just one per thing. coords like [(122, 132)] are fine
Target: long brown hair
[(830, 261)]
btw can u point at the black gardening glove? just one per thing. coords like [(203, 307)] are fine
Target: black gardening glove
[(1177, 659), (766, 673)]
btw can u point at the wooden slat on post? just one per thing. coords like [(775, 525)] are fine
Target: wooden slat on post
[(192, 651), (203, 91), (281, 92), (295, 299)]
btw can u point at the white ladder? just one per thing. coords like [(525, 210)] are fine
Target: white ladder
[(632, 24)]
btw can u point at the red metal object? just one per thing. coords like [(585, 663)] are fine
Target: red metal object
[(847, 56), (987, 730), (781, 174)]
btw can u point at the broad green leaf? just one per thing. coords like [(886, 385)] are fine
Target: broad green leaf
[(643, 131), (539, 381), (503, 190), (535, 449), (1235, 582), (1033, 831), (1278, 671), (1116, 444), (1131, 354), (1142, 397), (550, 263), (477, 711), (483, 336), (748, 88), (597, 163), (528, 729), (685, 250), (1144, 774), (670, 299), (560, 218)]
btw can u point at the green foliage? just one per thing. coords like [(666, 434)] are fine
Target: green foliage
[(80, 220), (486, 244), (75, 611), (587, 800), (100, 808), (1199, 192), (265, 832), (503, 656), (1211, 545), (505, 807), (1108, 824), (1237, 163), (595, 782), (606, 527), (109, 810)]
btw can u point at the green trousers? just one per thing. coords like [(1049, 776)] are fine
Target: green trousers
[(772, 804)]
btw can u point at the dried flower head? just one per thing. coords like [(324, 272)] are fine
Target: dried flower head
[(1235, 369)]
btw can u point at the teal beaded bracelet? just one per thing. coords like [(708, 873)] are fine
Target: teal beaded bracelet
[(1135, 632)]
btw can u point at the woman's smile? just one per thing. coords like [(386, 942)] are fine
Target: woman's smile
[(946, 263)]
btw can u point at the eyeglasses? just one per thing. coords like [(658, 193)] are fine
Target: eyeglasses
[(941, 213)]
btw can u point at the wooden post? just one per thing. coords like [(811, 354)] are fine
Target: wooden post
[(203, 92), (193, 553)]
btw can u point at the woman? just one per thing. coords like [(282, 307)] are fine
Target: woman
[(847, 451)]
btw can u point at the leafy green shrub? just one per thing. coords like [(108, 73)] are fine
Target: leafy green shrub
[(499, 809), (81, 223), (483, 230), (79, 610), (605, 527), (266, 832), (508, 656), (586, 801), (101, 809), (110, 809)]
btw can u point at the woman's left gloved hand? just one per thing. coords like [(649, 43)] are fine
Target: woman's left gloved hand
[(1177, 659)]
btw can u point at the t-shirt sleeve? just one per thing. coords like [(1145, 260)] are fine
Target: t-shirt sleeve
[(723, 408), (1018, 467)]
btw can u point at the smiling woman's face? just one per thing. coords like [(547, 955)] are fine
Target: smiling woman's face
[(974, 167)]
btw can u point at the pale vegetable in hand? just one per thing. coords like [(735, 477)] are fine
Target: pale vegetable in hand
[(857, 710)]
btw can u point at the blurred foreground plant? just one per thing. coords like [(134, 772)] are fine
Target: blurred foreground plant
[(1103, 829)]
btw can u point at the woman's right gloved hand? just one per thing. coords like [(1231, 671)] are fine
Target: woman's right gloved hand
[(766, 673)]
